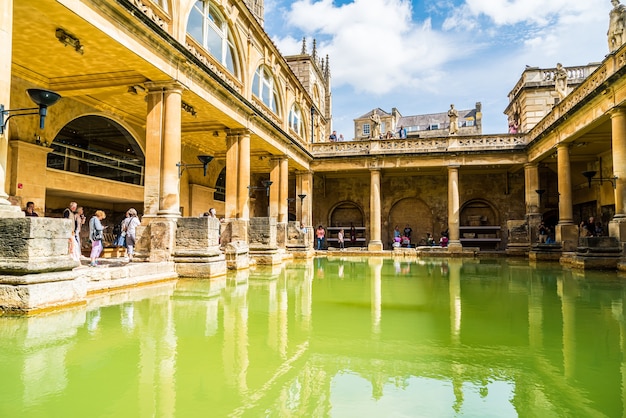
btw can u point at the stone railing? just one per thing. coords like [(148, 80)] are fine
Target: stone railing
[(420, 145)]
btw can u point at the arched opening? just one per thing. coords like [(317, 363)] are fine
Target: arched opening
[(98, 147), (478, 212), (345, 216), (412, 212)]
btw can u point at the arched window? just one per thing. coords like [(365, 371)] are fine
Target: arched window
[(295, 120), (98, 147), (264, 87), (209, 28), (220, 187)]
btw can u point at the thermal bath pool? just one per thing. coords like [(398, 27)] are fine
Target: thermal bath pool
[(337, 337)]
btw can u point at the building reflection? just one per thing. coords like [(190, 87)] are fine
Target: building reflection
[(286, 342)]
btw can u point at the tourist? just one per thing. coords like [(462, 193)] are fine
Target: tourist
[(320, 233), (341, 139), (30, 209), (352, 234), (599, 229), (402, 132), (430, 241), (591, 226), (132, 222), (340, 239), (396, 232), (543, 232), (408, 231), (79, 221), (333, 137), (96, 235), (70, 213), (443, 241), (583, 230)]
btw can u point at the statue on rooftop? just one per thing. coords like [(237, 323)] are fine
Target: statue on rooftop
[(375, 129), (453, 114), (617, 21), (560, 81)]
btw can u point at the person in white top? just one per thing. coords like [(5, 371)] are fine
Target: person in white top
[(130, 227)]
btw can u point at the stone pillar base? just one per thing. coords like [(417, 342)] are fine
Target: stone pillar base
[(35, 245), (237, 255), (155, 239), (455, 247), (269, 257), (375, 246), (197, 252), (567, 235), (545, 252), (617, 229)]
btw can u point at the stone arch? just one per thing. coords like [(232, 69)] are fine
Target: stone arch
[(345, 213), (477, 212), (414, 212), (98, 146)]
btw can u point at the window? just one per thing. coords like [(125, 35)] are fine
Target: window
[(98, 147), (220, 187), (434, 126), (264, 88), (382, 128), (469, 122), (366, 129), (207, 26), (295, 119)]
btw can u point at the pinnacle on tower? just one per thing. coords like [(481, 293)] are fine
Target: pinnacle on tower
[(303, 52)]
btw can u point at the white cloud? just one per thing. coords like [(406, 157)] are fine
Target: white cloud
[(385, 53)]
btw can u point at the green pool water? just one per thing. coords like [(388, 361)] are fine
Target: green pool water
[(337, 337)]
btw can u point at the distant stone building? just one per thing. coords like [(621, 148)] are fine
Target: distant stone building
[(419, 126)]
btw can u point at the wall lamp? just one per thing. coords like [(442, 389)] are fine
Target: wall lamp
[(69, 40), (301, 196), (204, 162), (591, 174), (43, 98), (540, 192), (266, 187)]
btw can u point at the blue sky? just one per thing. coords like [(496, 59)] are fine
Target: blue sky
[(421, 56)]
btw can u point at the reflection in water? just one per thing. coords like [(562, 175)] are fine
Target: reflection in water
[(376, 337)]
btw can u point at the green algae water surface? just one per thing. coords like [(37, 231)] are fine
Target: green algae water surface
[(338, 337)]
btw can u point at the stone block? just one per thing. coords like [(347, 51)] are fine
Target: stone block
[(30, 245), (262, 234)]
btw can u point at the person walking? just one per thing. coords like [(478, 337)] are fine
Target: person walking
[(340, 239), (96, 235), (132, 222)]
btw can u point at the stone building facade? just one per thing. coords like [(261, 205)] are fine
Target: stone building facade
[(149, 87)]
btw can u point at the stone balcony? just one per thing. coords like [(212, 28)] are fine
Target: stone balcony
[(416, 145)]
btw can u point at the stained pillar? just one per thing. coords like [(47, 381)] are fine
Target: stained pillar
[(169, 201), (274, 204), (617, 226), (243, 175), (232, 167), (304, 187), (454, 208), (566, 231), (375, 243), (532, 199)]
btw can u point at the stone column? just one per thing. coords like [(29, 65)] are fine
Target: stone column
[(617, 226), (532, 198), (283, 206), (156, 237), (232, 166), (6, 43), (454, 208), (566, 231), (243, 174), (274, 204), (169, 201), (304, 186), (375, 243), (153, 150)]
